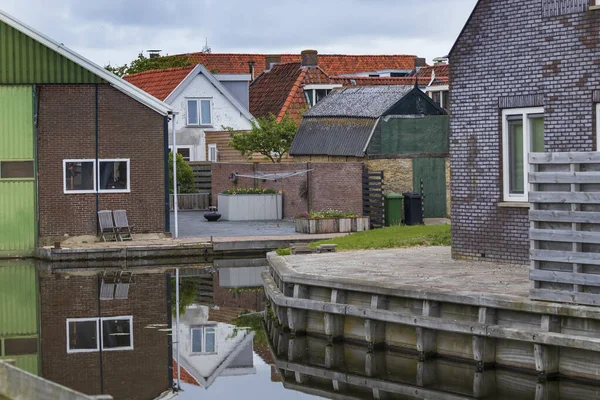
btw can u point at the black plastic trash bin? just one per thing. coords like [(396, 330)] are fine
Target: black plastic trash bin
[(413, 211)]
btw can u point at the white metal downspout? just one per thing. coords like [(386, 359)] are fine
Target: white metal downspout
[(175, 203)]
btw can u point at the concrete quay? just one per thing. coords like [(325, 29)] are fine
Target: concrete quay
[(421, 301)]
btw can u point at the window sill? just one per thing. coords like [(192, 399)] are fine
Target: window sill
[(513, 204), (594, 8), (199, 126)]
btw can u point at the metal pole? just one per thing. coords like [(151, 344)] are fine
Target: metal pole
[(177, 326), (175, 204)]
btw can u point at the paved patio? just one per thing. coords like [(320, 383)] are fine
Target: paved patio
[(193, 224)]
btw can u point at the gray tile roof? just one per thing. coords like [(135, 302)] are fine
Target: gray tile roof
[(362, 101), (333, 136)]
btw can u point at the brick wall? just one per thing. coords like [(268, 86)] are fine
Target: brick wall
[(127, 129), (141, 373), (507, 50), (228, 154), (329, 185)]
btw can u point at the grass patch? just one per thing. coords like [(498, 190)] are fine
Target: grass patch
[(392, 237), (284, 251)]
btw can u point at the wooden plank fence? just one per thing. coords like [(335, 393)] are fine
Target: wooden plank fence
[(372, 183), (202, 175), (190, 202), (565, 227)]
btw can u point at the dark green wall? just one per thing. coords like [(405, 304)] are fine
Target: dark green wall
[(422, 135), (26, 61)]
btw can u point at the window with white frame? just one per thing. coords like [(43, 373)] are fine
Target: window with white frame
[(79, 176), (113, 175), (317, 92), (213, 153), (91, 334), (441, 95), (186, 152), (522, 133), (203, 339), (199, 112)]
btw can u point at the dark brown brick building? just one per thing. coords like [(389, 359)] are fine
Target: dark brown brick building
[(91, 360), (524, 78)]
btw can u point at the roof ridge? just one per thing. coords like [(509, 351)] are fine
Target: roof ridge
[(163, 70)]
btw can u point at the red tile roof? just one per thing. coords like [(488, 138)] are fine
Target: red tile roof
[(442, 73), (185, 376), (333, 64), (274, 91), (159, 83)]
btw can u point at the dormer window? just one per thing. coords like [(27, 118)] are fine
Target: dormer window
[(315, 93)]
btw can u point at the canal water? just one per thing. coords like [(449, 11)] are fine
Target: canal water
[(111, 330)]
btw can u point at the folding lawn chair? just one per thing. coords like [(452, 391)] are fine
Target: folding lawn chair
[(122, 289), (108, 231), (122, 225), (107, 287)]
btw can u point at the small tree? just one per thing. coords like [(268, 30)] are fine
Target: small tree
[(268, 137), (143, 63), (185, 175)]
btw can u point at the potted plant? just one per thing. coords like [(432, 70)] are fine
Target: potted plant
[(212, 216), (250, 204), (330, 221)]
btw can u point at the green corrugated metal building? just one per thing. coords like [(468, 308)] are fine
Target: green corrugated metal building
[(28, 58), (19, 331)]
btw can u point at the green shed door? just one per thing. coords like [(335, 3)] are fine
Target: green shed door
[(17, 171), (433, 173)]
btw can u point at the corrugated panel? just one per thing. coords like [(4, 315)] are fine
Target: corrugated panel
[(16, 122), (414, 135), (24, 60), (18, 299), (28, 363), (333, 136), (17, 216)]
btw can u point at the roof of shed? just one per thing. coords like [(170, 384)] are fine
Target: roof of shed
[(333, 136), (364, 101)]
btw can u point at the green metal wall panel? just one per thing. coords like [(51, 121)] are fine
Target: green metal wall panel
[(18, 299), (28, 363), (412, 135), (16, 123), (17, 217), (433, 173), (26, 61)]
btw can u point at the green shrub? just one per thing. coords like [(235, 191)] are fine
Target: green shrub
[(250, 191), (185, 176)]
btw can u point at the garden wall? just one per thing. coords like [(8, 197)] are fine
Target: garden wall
[(328, 185)]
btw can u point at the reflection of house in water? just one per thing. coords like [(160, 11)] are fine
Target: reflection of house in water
[(113, 346), (19, 314), (211, 349)]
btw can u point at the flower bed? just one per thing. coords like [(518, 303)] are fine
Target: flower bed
[(331, 221), (250, 204)]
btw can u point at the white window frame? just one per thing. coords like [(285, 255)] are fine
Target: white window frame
[(524, 112), (128, 190), (190, 148), (203, 337), (598, 122), (314, 87), (98, 338), (439, 88), (122, 318), (212, 146), (199, 101), (93, 161)]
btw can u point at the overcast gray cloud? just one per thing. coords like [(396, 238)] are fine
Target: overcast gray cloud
[(116, 30)]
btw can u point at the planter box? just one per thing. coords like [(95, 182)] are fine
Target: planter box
[(250, 207), (332, 225)]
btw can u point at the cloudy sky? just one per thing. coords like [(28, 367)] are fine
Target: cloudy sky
[(116, 31)]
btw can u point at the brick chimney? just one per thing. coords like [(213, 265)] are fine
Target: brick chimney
[(251, 69), (420, 62), (272, 59), (310, 58)]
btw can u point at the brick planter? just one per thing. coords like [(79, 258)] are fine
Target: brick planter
[(332, 225)]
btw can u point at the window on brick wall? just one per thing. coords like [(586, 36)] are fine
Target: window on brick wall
[(113, 175), (522, 133), (91, 334), (79, 176)]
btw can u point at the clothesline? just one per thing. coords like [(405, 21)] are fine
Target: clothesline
[(273, 176)]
